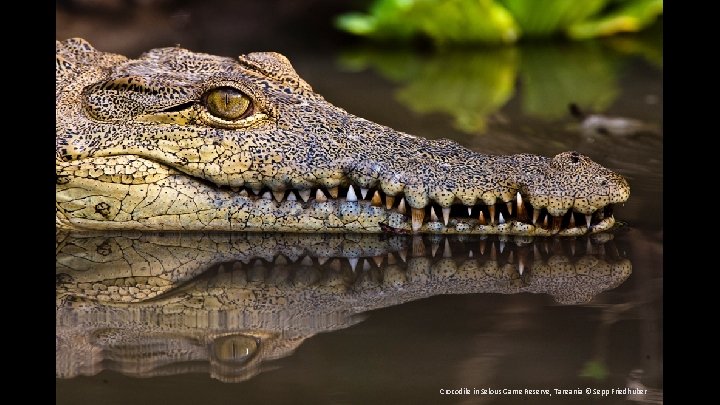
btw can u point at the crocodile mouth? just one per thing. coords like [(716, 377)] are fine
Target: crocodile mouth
[(511, 217), (103, 193)]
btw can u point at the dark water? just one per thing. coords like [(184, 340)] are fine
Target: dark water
[(415, 315)]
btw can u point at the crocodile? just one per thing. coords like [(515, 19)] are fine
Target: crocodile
[(177, 140), (148, 304)]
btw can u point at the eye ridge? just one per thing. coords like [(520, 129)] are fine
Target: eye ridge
[(227, 103)]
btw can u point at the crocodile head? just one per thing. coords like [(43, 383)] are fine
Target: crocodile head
[(177, 140)]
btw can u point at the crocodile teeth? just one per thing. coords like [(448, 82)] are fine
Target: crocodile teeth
[(447, 253), (363, 192), (365, 265), (509, 207), (378, 260), (243, 193), (501, 220), (557, 221), (403, 255), (334, 192), (435, 247), (376, 200), (353, 261), (266, 196), (521, 267), (401, 206), (255, 191), (545, 221), (446, 215), (389, 201), (304, 194), (470, 253), (481, 218), (572, 221), (291, 197), (536, 214), (320, 196), (469, 211), (588, 219), (492, 214), (418, 214), (521, 213), (433, 216), (279, 195), (351, 194)]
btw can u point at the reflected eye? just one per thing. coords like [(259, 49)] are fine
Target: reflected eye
[(227, 103), (235, 348)]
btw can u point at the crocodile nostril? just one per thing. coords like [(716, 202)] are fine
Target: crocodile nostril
[(575, 157)]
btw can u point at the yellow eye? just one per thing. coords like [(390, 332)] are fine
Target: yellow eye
[(227, 103)]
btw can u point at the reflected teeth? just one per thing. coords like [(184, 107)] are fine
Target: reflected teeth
[(418, 214), (389, 201), (351, 194), (447, 253), (304, 194), (401, 206), (446, 215), (363, 192), (320, 196), (376, 200)]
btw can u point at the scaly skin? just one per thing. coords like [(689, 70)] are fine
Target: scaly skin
[(146, 304), (177, 140)]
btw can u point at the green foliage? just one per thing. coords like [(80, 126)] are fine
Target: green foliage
[(498, 21)]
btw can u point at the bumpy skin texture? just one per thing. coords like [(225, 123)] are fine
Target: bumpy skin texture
[(146, 304), (142, 144)]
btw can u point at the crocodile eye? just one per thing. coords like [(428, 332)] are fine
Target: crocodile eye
[(227, 103)]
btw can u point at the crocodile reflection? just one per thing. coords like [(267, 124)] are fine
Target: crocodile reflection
[(162, 304)]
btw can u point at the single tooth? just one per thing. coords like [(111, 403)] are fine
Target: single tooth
[(470, 254), (435, 246), (401, 206), (588, 219), (389, 201), (322, 260), (304, 194), (376, 200), (545, 221), (536, 214), (433, 216), (521, 267), (492, 214), (291, 197), (320, 196), (378, 260), (365, 265), (481, 219), (403, 255), (571, 224), (243, 193), (418, 214), (279, 195), (255, 191), (363, 192), (334, 191), (447, 253), (351, 194), (446, 215), (501, 220), (266, 196), (353, 262), (469, 211), (521, 212), (509, 207), (306, 261), (557, 221)]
